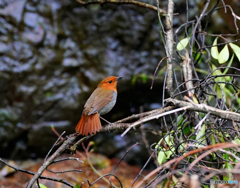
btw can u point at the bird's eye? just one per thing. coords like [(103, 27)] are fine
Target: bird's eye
[(110, 81)]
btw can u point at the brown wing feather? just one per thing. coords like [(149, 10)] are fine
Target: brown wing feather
[(102, 99)]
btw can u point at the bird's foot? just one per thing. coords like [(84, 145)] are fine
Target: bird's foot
[(109, 123), (109, 126)]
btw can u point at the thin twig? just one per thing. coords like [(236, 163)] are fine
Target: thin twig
[(155, 72), (103, 176), (62, 148), (128, 150), (40, 177), (95, 170), (177, 160), (60, 137), (148, 118)]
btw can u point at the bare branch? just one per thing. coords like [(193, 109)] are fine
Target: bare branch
[(169, 45), (40, 177), (154, 116), (133, 2), (211, 148), (62, 148), (205, 108)]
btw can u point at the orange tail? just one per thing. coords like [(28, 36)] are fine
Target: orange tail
[(88, 124)]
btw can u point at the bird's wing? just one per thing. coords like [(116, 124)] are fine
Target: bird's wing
[(97, 102)]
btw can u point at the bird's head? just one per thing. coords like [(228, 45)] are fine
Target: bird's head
[(109, 83)]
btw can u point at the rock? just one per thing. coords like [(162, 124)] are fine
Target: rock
[(3, 47), (52, 61), (31, 19), (42, 136), (14, 10), (70, 62)]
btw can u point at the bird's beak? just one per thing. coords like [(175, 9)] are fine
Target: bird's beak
[(118, 78)]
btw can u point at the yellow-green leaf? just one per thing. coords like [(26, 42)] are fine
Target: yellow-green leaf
[(223, 55), (236, 141), (164, 154), (201, 133), (169, 140), (42, 186), (162, 158), (236, 50), (229, 65), (182, 44), (144, 77), (214, 49), (213, 139), (218, 79), (134, 79), (77, 186), (217, 72)]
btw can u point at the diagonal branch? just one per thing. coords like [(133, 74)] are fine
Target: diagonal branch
[(133, 2), (205, 109), (31, 173), (163, 112), (61, 149)]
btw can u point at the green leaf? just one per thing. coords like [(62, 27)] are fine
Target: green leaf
[(162, 158), (134, 79), (214, 49), (186, 130), (223, 55), (228, 166), (180, 119), (229, 65), (237, 141), (217, 72), (48, 94), (77, 186), (144, 78), (221, 137), (226, 91), (183, 44), (213, 139), (169, 140), (164, 154), (42, 186), (198, 55), (236, 50), (200, 136)]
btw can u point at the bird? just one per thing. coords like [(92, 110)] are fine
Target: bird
[(100, 102)]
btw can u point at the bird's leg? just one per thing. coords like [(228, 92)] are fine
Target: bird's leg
[(109, 123), (105, 120)]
